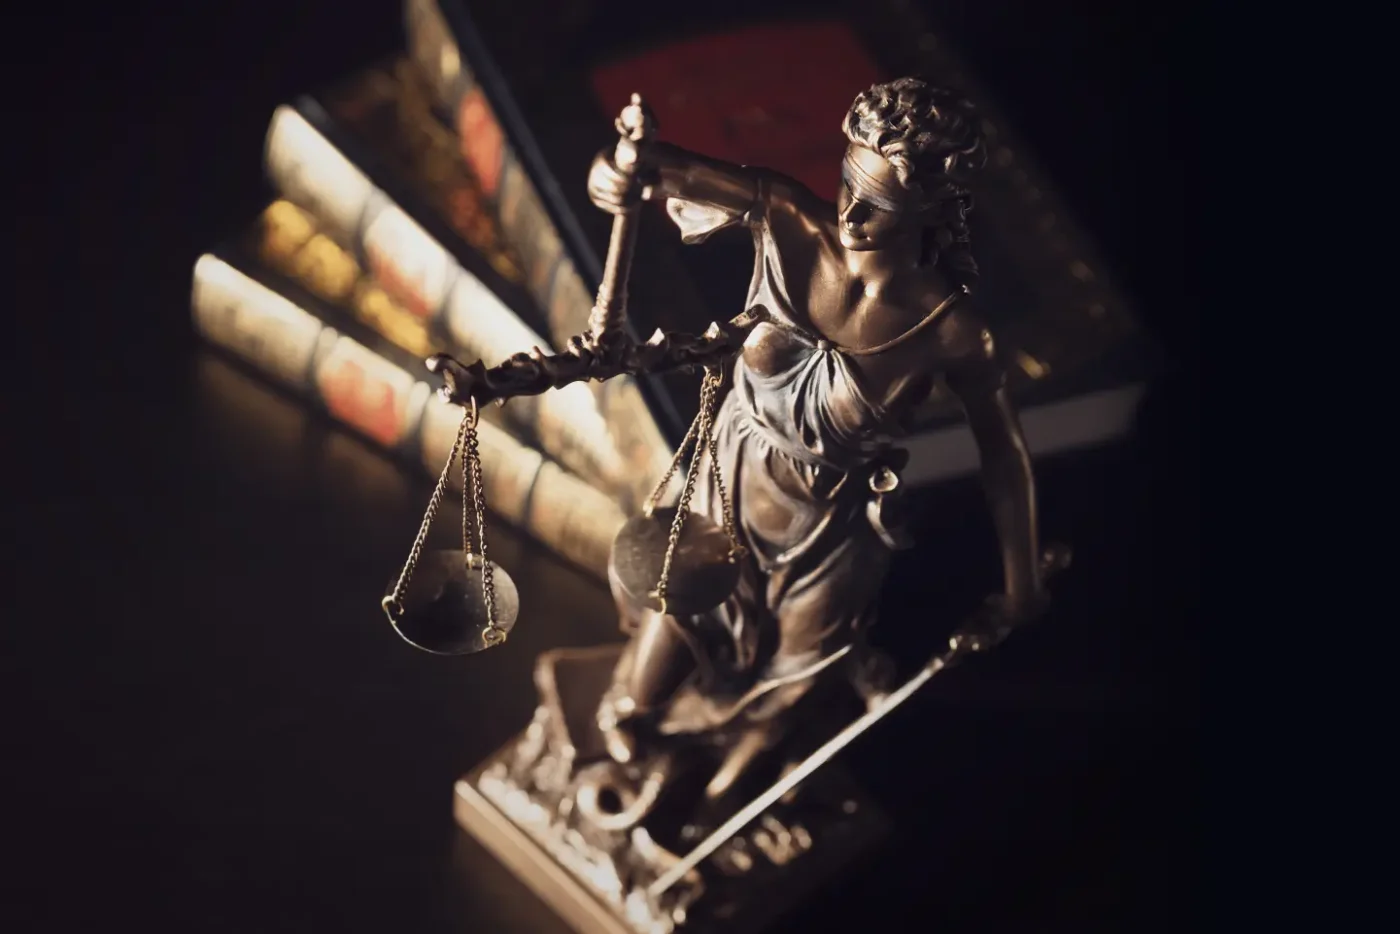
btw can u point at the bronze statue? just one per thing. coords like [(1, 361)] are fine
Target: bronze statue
[(856, 310)]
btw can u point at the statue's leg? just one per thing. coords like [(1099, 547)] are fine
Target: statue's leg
[(661, 660), (817, 614), (655, 664)]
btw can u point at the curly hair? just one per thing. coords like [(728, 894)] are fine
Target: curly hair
[(932, 137)]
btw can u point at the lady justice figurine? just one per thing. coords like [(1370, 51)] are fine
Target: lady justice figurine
[(856, 311)]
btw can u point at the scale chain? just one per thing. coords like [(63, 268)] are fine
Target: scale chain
[(702, 420), (471, 469), (665, 481), (702, 433), (394, 602), (736, 550), (467, 446)]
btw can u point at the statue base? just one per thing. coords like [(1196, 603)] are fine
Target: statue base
[(589, 837)]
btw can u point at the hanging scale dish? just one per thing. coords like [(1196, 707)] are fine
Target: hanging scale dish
[(670, 559), (452, 602)]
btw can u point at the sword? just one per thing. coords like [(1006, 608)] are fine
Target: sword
[(972, 637)]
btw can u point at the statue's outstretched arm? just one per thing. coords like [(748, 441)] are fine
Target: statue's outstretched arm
[(534, 372)]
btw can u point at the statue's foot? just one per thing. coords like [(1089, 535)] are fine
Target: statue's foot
[(618, 721), (741, 757), (621, 744)]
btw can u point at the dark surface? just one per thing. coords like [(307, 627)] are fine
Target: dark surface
[(221, 733)]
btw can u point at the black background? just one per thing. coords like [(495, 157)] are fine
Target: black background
[(218, 734)]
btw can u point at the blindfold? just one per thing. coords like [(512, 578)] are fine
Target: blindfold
[(885, 194)]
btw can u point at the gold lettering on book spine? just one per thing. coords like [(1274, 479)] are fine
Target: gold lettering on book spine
[(289, 242)]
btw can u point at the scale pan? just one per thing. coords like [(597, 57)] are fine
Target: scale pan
[(702, 574), (444, 606)]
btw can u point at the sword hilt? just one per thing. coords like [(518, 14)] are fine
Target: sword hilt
[(636, 127), (981, 632)]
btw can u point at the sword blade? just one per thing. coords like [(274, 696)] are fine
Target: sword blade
[(791, 780), (1055, 559)]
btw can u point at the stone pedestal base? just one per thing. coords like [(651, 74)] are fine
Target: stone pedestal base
[(536, 806)]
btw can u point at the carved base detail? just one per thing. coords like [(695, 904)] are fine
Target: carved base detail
[(590, 836)]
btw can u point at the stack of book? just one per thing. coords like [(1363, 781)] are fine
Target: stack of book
[(436, 203)]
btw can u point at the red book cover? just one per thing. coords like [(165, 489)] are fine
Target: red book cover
[(770, 95), (366, 392), (481, 141)]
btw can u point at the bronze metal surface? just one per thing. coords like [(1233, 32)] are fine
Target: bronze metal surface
[(444, 605), (702, 573)]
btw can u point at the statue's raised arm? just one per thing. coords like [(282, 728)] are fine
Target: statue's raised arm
[(637, 167), (702, 194)]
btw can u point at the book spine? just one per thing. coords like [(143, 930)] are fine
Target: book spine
[(422, 275), (306, 278), (950, 452), (551, 276), (290, 241), (390, 112), (397, 412)]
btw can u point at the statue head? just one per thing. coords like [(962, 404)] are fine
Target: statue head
[(912, 148)]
